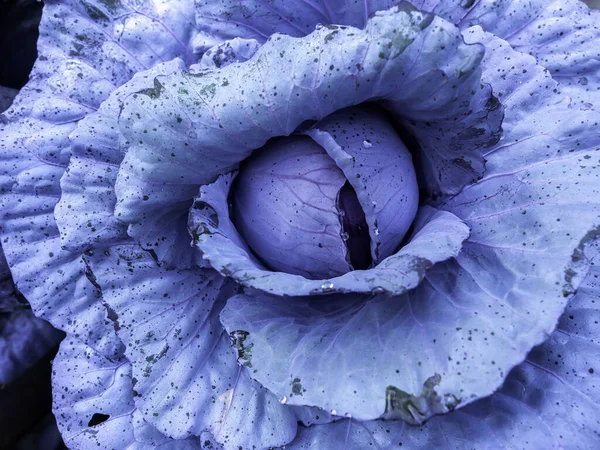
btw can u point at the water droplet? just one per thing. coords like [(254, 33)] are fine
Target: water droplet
[(376, 231), (345, 236), (333, 412), (283, 400), (348, 415), (327, 286), (192, 135), (378, 290), (367, 143)]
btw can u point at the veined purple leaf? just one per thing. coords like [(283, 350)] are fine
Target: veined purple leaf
[(184, 368), (259, 19), (86, 48), (562, 35), (84, 213), (94, 407), (548, 401)]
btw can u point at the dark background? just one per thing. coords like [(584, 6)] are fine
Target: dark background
[(19, 20)]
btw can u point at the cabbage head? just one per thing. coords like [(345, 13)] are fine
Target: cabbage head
[(316, 224)]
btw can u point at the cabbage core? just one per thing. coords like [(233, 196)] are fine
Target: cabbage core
[(305, 203)]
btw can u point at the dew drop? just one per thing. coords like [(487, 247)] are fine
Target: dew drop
[(192, 135), (367, 143), (327, 286), (377, 290), (283, 400), (333, 412), (376, 231), (345, 236)]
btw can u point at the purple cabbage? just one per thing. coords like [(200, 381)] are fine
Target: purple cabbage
[(312, 225)]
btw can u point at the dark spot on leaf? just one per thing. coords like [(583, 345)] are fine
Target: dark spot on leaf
[(154, 92), (95, 13), (91, 277), (296, 386), (416, 409), (97, 419), (331, 35), (244, 350), (113, 316)]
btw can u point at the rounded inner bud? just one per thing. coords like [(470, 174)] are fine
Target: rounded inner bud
[(295, 201), (288, 206)]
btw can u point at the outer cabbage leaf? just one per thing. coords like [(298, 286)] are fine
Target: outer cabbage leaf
[(563, 35), (472, 318), (350, 355), (94, 407), (86, 48), (196, 120), (84, 213), (185, 372), (557, 169), (258, 19), (549, 401)]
